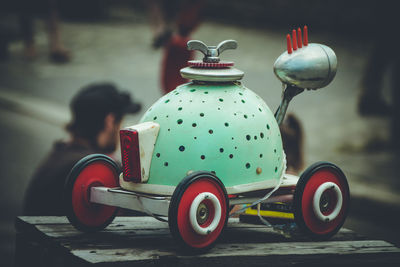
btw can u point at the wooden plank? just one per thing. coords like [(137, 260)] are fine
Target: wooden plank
[(131, 241), (43, 219), (127, 222), (243, 249), (135, 226)]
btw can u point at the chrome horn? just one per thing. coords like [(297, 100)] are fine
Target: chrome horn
[(303, 66)]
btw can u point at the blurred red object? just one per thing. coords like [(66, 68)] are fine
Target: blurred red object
[(175, 58)]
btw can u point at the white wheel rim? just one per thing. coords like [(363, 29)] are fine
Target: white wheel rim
[(193, 213), (317, 198)]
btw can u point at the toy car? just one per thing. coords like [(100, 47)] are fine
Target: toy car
[(211, 144)]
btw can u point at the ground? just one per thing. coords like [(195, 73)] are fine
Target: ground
[(34, 99)]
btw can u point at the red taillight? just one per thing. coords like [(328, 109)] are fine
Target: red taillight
[(130, 155)]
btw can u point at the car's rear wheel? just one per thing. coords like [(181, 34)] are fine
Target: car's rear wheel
[(92, 170)]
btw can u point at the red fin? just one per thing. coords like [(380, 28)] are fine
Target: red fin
[(299, 38), (289, 44), (305, 40), (294, 40)]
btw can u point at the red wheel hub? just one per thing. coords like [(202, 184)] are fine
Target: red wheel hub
[(328, 201), (97, 173), (183, 220)]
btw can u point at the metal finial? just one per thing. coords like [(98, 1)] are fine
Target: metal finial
[(211, 53)]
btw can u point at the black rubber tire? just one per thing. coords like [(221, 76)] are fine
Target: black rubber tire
[(174, 205), (298, 195), (69, 184)]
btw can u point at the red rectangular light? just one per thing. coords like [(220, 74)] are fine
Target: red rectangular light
[(130, 155)]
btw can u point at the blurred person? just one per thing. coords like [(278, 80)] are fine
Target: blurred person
[(173, 22), (371, 101), (382, 58), (58, 53), (97, 112)]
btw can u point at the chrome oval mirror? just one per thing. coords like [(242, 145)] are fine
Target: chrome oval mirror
[(308, 66), (303, 66)]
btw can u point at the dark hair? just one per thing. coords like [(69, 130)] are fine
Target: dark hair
[(90, 107)]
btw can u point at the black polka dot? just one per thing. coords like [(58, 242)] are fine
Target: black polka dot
[(248, 137), (181, 148), (158, 155), (194, 124), (230, 156), (165, 164), (179, 121), (247, 165), (202, 157), (221, 150), (210, 131)]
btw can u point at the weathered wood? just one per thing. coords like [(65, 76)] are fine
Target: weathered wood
[(145, 241), (240, 249)]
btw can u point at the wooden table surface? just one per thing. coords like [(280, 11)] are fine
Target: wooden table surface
[(144, 241)]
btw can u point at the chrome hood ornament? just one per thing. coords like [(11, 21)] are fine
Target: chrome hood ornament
[(304, 65), (211, 68)]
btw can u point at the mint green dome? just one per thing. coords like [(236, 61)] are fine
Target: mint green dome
[(219, 127)]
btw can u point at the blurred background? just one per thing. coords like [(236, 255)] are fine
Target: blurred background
[(51, 49)]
